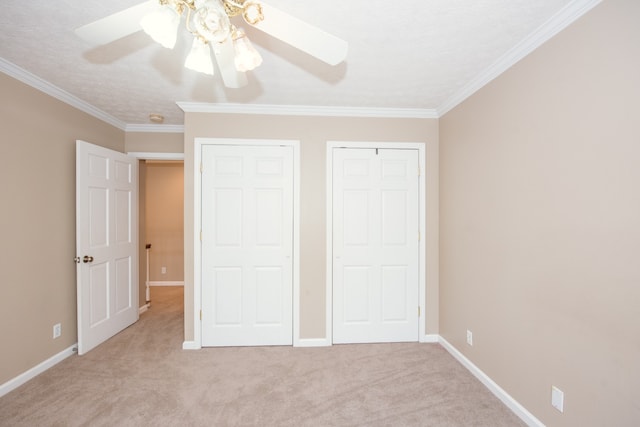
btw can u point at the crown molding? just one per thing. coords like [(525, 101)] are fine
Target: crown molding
[(42, 85), (561, 20), (150, 128), (306, 110)]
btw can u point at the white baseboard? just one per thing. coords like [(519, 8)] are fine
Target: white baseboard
[(166, 283), (324, 342), (16, 382), (430, 338), (498, 391), (312, 342), (191, 345), (144, 308)]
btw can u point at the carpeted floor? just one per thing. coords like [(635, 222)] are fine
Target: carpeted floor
[(142, 377)]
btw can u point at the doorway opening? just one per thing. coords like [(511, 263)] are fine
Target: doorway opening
[(160, 228)]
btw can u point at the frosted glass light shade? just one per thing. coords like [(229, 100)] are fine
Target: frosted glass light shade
[(247, 57), (199, 58)]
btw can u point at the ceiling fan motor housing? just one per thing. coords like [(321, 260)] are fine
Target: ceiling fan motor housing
[(211, 21)]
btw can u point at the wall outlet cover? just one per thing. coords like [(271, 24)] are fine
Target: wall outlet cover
[(57, 330)]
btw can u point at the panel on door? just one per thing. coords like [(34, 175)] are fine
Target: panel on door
[(375, 245), (106, 241), (247, 245)]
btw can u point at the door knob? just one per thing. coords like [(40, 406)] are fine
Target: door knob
[(87, 258)]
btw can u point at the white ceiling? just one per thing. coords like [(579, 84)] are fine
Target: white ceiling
[(417, 56)]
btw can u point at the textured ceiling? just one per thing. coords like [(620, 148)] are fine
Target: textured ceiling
[(414, 54)]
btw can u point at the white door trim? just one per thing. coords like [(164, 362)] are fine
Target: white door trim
[(421, 147), (197, 250)]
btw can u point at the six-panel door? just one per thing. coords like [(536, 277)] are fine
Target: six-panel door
[(375, 245), (247, 245), (106, 234)]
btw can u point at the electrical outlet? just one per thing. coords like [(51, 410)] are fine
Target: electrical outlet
[(57, 330), (557, 398), (163, 270), (469, 337)]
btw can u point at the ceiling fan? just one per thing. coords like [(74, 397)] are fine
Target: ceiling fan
[(209, 21)]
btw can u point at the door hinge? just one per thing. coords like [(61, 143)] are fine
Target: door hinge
[(201, 235), (418, 311), (419, 170), (201, 315), (201, 167), (419, 235)]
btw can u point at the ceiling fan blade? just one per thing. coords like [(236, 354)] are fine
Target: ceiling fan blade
[(225, 54), (116, 26), (307, 38)]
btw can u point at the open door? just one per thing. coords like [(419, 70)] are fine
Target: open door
[(106, 243)]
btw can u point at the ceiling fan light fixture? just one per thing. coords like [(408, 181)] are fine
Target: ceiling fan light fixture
[(246, 56), (199, 58), (162, 25), (209, 22), (252, 12)]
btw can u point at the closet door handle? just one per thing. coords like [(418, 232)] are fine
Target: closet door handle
[(87, 259)]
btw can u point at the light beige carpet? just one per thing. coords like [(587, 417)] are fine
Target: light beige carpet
[(142, 377)]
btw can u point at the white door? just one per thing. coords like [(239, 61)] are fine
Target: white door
[(247, 245), (106, 243), (375, 245)]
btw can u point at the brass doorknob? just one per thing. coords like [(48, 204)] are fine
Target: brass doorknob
[(87, 258)]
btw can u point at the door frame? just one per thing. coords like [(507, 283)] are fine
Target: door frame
[(421, 147), (143, 155), (197, 221)]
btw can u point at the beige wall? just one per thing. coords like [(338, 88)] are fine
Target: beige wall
[(37, 221), (540, 223), (154, 142), (164, 204), (313, 132)]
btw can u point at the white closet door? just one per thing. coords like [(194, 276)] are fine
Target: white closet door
[(247, 245), (375, 245)]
